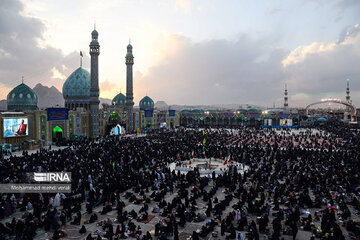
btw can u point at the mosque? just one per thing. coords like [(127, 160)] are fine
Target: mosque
[(23, 123), (82, 115)]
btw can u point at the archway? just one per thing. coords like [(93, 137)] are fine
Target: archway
[(57, 133), (337, 101)]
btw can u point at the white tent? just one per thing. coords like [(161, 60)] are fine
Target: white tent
[(117, 130)]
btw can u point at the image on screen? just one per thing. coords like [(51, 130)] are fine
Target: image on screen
[(15, 127)]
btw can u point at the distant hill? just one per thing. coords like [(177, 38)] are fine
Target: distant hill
[(105, 101), (48, 97), (161, 105), (52, 97), (3, 105)]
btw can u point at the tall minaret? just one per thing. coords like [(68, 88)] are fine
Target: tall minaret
[(94, 85), (348, 92), (129, 61), (286, 104)]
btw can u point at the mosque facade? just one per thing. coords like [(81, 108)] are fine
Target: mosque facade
[(83, 115)]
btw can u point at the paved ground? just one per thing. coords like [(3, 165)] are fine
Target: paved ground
[(73, 231), (20, 153), (184, 233)]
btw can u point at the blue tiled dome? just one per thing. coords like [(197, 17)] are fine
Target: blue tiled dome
[(129, 51), (119, 100), (95, 33), (146, 103), (77, 85), (22, 98)]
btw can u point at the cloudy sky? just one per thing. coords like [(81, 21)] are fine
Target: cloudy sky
[(189, 51)]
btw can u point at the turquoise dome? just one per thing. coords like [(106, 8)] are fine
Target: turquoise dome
[(119, 100), (94, 33), (77, 85), (22, 98), (146, 103), (129, 51)]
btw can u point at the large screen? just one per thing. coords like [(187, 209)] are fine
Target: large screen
[(15, 127)]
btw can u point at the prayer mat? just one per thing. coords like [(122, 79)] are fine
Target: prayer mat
[(150, 217)]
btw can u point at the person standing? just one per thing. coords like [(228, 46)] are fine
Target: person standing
[(294, 229)]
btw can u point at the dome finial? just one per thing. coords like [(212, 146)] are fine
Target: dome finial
[(81, 57), (94, 24), (94, 33), (22, 79)]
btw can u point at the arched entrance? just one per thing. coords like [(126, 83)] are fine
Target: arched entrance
[(57, 134), (337, 101)]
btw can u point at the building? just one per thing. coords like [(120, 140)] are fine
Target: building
[(81, 115), (146, 117), (122, 111), (129, 101), (94, 85), (22, 98)]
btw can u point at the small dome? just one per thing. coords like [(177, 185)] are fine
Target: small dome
[(322, 119), (146, 103), (22, 98), (77, 85), (129, 51), (119, 100), (94, 33)]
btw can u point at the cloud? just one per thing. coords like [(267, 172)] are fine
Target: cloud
[(349, 31), (340, 7), (216, 71), (274, 11), (241, 70), (186, 5), (301, 52), (251, 71), (21, 53), (110, 89), (343, 5), (57, 74), (322, 70)]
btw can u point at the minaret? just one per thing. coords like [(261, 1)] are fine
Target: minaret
[(94, 85), (286, 104), (348, 92), (129, 61)]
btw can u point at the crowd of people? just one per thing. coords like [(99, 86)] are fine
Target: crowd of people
[(308, 181)]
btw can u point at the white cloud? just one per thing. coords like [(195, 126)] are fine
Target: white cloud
[(222, 71), (301, 52), (320, 70), (56, 74), (186, 5)]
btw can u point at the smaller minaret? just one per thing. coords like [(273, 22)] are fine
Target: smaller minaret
[(129, 102), (286, 104), (94, 84), (348, 92)]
